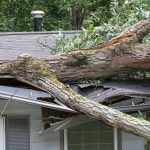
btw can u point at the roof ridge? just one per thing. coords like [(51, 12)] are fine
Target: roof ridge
[(42, 32)]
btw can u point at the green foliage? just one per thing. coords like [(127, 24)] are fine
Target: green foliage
[(86, 38), (97, 15), (123, 16), (15, 15)]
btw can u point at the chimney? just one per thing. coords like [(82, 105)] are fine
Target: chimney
[(37, 16)]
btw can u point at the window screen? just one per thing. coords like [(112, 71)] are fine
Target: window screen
[(17, 134), (90, 136)]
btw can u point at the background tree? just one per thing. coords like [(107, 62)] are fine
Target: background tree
[(59, 14), (123, 15)]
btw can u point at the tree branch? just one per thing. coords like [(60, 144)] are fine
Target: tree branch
[(95, 110), (37, 73), (133, 34)]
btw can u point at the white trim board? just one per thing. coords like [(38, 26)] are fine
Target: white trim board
[(65, 139), (2, 133), (115, 132)]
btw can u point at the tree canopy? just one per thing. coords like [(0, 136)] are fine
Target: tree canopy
[(59, 14), (123, 15)]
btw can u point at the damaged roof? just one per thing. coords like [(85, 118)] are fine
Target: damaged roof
[(118, 94), (57, 116), (113, 93)]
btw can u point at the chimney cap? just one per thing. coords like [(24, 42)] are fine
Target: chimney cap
[(37, 14)]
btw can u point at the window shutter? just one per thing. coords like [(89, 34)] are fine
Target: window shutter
[(17, 134)]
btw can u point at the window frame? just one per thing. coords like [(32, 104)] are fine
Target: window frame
[(116, 138)]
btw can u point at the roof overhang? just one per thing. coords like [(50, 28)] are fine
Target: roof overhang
[(34, 102)]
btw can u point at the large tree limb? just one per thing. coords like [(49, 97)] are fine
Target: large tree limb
[(83, 105), (95, 110), (106, 61), (117, 56)]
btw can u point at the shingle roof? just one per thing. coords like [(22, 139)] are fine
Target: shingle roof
[(13, 44)]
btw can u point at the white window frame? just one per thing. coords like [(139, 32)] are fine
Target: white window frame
[(115, 133), (3, 134), (65, 139)]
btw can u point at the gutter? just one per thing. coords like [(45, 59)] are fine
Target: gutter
[(35, 102)]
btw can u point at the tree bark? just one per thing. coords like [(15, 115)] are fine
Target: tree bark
[(119, 55)]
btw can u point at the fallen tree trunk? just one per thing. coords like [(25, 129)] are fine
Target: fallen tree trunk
[(119, 55)]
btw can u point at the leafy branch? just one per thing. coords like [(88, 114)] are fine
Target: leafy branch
[(123, 16)]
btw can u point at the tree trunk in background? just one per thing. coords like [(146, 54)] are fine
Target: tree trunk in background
[(120, 55), (77, 17)]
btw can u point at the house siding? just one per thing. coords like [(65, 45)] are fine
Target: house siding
[(48, 141)]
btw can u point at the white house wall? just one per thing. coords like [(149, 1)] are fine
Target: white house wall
[(49, 141)]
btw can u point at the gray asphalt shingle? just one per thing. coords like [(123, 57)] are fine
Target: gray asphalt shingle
[(13, 44)]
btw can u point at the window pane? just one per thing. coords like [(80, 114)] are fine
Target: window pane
[(91, 147), (90, 136), (105, 137), (75, 138), (75, 147), (106, 147)]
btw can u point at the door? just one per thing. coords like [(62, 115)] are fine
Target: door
[(2, 134)]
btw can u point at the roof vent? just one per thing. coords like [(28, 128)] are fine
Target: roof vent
[(37, 16)]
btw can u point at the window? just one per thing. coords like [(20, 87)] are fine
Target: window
[(17, 133), (90, 136)]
